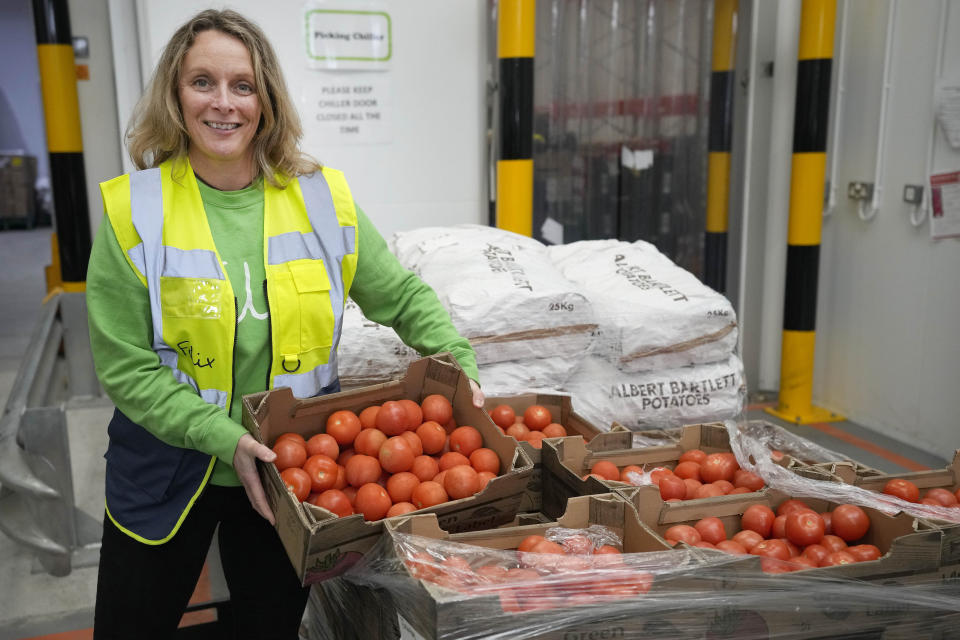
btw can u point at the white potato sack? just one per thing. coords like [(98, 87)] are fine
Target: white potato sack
[(537, 375), (658, 399), (370, 353), (502, 291), (652, 313)]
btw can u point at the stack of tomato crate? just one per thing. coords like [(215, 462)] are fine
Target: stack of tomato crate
[(589, 535)]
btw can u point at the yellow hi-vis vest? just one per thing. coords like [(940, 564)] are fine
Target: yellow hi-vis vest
[(310, 255)]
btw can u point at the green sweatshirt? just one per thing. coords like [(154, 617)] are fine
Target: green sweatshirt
[(121, 329)]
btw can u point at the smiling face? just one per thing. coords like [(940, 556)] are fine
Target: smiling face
[(218, 99)]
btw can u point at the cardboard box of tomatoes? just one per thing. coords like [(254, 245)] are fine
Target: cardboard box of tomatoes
[(904, 545), (946, 481), (561, 411), (426, 601), (568, 462), (322, 545)]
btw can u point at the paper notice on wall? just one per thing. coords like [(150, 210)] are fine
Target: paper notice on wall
[(945, 217), (347, 107), (343, 34)]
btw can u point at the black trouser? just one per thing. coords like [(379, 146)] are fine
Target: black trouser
[(142, 590)]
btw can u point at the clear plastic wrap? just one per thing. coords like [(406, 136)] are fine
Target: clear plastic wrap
[(416, 587), (752, 450), (776, 438)]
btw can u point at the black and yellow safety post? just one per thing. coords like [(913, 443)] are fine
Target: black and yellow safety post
[(806, 215), (515, 46), (58, 82), (719, 143)]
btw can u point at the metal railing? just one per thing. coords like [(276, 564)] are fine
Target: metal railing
[(37, 500)]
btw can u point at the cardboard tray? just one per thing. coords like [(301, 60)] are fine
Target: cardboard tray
[(910, 546), (437, 612), (561, 409), (321, 545)]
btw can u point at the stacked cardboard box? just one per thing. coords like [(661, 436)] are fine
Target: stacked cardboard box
[(18, 173)]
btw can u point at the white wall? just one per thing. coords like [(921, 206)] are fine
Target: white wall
[(431, 171), (97, 99), (888, 351)]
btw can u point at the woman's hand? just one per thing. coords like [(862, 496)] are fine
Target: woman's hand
[(478, 398), (245, 464)]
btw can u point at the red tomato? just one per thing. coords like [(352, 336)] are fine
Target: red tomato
[(803, 562), (837, 557), (428, 494), (554, 430), (400, 508), (436, 408), (703, 544), (369, 442), (788, 506), (942, 496), (293, 436), (672, 487), (297, 482), (748, 479), (461, 481), (323, 443), (323, 472), (903, 489), (707, 491), (432, 436), (794, 549), (344, 426), (465, 439), (630, 468), (816, 553), (731, 546), (827, 522), (864, 552), (502, 415), (711, 529), (536, 417), (833, 543), (693, 455), (290, 453), (759, 518), (850, 522), (956, 494), (688, 469), (334, 501), (739, 490), (392, 418), (804, 527), (414, 413), (692, 486), (400, 486), (425, 468), (529, 542), (682, 533), (484, 459), (395, 455), (747, 538), (779, 529), (769, 564), (372, 501), (775, 548), (368, 417), (606, 469), (658, 472), (724, 486), (452, 459), (718, 466), (362, 469)]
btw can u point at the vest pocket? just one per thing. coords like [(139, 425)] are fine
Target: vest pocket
[(191, 297), (303, 313)]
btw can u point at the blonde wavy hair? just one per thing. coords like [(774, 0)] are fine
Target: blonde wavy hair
[(157, 132)]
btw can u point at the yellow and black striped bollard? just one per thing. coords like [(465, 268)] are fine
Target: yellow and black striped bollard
[(515, 47), (815, 59)]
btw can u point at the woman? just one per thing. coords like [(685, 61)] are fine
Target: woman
[(221, 269)]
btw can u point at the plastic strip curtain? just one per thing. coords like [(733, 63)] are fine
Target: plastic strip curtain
[(620, 122)]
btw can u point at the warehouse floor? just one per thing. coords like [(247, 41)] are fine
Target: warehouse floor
[(36, 605)]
